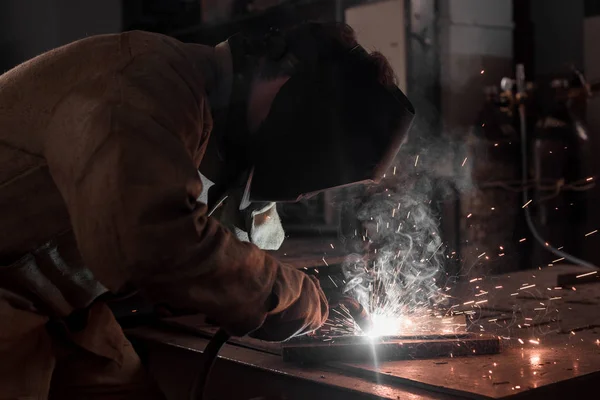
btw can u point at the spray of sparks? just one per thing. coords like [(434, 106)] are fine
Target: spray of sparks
[(401, 281), (397, 282)]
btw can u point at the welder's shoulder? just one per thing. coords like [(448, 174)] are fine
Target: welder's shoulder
[(164, 82), (163, 57)]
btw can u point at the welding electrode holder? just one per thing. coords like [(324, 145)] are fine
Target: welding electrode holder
[(357, 311)]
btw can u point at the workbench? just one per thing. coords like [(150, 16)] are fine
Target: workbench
[(550, 349)]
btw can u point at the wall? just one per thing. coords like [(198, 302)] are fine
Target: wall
[(591, 60), (31, 27), (380, 26), (476, 50), (475, 36), (558, 34)]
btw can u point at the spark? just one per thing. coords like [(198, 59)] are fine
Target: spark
[(591, 178), (481, 302), (539, 309), (587, 274), (521, 341), (514, 294), (394, 173), (474, 280), (522, 240), (555, 298), (495, 144), (493, 320), (501, 248), (533, 341), (493, 208), (325, 261), (468, 302), (501, 255), (498, 287), (591, 233), (393, 212), (464, 162), (332, 281), (481, 255), (558, 259), (482, 71), (416, 160), (574, 289), (469, 216), (527, 287), (526, 204), (331, 244)]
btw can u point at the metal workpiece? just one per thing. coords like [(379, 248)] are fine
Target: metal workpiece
[(377, 349)]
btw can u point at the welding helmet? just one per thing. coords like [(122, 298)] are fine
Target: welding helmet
[(331, 124)]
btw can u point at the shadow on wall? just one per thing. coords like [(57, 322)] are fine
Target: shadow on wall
[(30, 27)]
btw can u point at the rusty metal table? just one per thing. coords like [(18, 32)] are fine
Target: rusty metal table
[(551, 350)]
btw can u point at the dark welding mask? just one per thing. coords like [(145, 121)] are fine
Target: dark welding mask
[(328, 127)]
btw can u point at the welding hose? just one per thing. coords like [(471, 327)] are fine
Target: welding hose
[(524, 176), (198, 390)]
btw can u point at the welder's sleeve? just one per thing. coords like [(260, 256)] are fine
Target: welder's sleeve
[(130, 184)]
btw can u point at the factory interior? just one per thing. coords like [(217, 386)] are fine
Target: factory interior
[(468, 270)]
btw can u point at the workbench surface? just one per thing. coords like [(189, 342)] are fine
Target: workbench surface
[(550, 337)]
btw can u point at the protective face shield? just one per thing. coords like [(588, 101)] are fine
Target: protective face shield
[(324, 131), (329, 126)]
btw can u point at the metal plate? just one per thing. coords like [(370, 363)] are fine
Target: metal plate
[(363, 348)]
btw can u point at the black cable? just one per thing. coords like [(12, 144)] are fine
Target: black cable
[(208, 359), (524, 175)]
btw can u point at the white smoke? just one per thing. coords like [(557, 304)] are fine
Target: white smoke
[(403, 277)]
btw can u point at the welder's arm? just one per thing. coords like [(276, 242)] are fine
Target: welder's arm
[(131, 190)]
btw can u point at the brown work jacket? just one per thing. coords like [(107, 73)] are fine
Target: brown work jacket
[(100, 142)]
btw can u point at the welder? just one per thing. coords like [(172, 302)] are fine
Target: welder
[(104, 147)]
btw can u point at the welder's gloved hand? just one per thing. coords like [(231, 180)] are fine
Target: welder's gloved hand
[(296, 299)]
